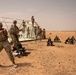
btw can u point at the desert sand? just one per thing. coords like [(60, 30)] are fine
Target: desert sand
[(43, 60)]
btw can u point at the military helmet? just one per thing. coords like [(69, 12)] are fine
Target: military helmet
[(32, 16), (1, 24), (14, 22), (23, 21)]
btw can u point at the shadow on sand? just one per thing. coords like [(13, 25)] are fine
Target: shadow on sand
[(30, 49), (24, 64), (18, 64)]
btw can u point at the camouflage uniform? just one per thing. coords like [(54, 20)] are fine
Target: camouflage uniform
[(5, 44), (49, 42), (56, 39), (35, 29), (39, 33), (24, 27), (67, 40), (32, 20), (43, 34), (28, 32), (14, 30)]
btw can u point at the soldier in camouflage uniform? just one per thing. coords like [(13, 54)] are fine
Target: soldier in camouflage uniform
[(70, 40), (73, 39), (39, 33), (50, 42), (44, 34), (24, 26), (56, 39), (14, 30), (32, 20), (28, 32), (5, 44), (67, 40), (35, 29)]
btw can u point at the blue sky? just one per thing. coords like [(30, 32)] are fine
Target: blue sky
[(49, 14)]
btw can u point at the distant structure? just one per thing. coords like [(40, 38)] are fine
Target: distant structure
[(28, 32)]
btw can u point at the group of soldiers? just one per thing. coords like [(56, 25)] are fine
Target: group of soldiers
[(69, 40), (50, 42), (37, 31), (14, 31), (14, 34), (17, 46), (4, 43)]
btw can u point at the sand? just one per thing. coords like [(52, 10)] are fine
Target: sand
[(43, 60)]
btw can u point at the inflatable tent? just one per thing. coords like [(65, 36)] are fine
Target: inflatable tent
[(28, 32)]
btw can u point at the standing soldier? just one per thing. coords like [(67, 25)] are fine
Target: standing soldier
[(28, 32), (35, 29), (14, 30), (39, 33), (32, 30), (5, 44), (43, 34), (24, 26), (32, 20)]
